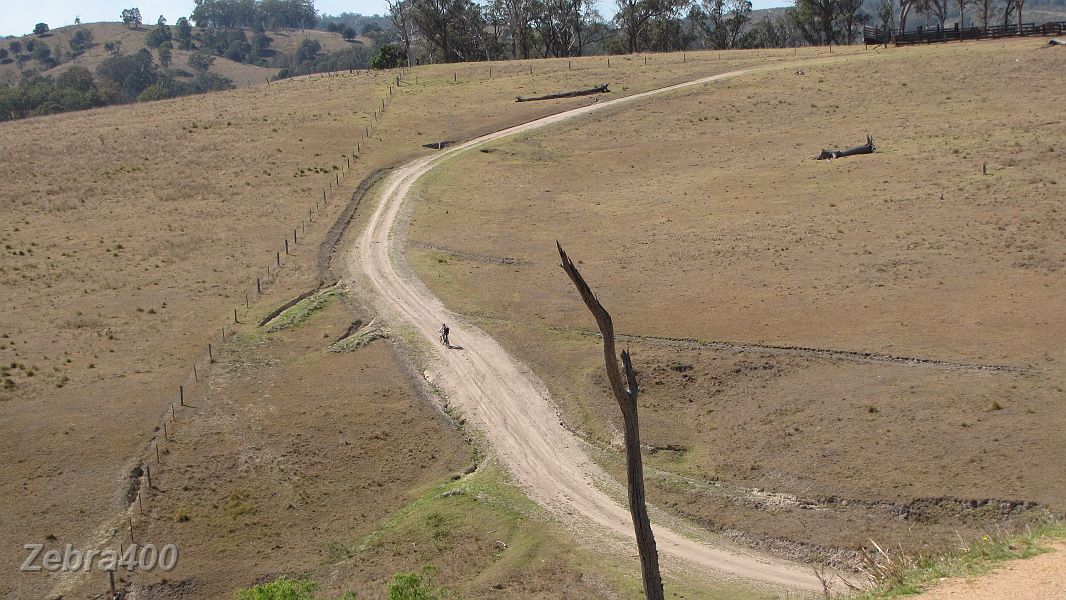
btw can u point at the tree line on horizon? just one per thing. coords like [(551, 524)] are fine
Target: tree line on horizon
[(465, 30)]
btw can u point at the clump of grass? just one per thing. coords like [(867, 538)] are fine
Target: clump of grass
[(893, 574), (372, 331), (238, 505), (284, 588), (412, 586), (301, 311)]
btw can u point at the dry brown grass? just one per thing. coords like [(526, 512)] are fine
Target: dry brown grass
[(134, 231), (703, 216)]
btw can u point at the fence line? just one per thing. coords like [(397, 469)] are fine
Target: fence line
[(873, 36), (161, 436)]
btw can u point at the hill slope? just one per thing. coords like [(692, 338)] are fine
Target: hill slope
[(284, 41)]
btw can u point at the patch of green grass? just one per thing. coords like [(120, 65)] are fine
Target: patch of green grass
[(284, 588), (483, 500), (301, 311), (900, 575), (412, 586)]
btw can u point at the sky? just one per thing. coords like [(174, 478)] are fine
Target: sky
[(17, 17)]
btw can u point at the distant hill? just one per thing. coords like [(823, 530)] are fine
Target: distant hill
[(132, 40)]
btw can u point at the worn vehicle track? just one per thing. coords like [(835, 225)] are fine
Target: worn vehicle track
[(509, 404)]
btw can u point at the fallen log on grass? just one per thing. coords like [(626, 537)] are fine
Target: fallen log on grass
[(867, 148), (588, 92), (1056, 42)]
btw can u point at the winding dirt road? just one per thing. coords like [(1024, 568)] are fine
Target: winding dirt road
[(507, 402)]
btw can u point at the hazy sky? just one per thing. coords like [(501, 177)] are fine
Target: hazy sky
[(17, 17)]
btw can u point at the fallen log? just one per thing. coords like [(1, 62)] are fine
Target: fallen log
[(867, 148), (1056, 42), (602, 89)]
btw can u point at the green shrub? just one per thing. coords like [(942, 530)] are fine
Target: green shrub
[(284, 588), (281, 588), (409, 586)]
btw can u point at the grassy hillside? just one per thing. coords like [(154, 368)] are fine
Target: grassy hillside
[(285, 41), (134, 231), (702, 221)]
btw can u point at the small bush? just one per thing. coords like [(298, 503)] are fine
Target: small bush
[(409, 586), (281, 588), (284, 588)]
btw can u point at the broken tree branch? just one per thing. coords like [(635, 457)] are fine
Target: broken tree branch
[(602, 89), (867, 148), (626, 395)]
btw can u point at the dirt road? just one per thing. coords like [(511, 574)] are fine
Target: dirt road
[(508, 404)]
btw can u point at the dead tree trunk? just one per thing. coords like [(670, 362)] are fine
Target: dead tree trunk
[(626, 394), (866, 148)]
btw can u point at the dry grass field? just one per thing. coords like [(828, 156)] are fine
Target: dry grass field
[(131, 233), (718, 243)]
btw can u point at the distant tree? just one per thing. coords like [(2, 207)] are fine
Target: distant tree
[(165, 56), (132, 17), (40, 29), (634, 16), (75, 78), (371, 29), (16, 47), (159, 35), (81, 41), (183, 33), (307, 50), (3, 55), (455, 27), (43, 54), (77, 21), (986, 8), (129, 74), (849, 13), (260, 45), (156, 91), (348, 33), (114, 47), (389, 56), (885, 10), (201, 60), (400, 15), (333, 27), (721, 21), (816, 19)]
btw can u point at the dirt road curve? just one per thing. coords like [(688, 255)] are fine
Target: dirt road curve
[(507, 402)]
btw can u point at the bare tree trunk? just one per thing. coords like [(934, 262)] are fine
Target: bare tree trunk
[(904, 11), (626, 394), (867, 148)]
